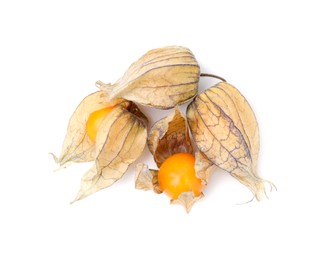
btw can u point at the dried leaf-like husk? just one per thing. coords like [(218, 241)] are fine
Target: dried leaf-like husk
[(225, 129), (168, 136), (77, 146), (161, 78), (146, 179), (187, 200), (125, 136)]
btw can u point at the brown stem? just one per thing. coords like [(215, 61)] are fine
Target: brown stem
[(212, 76)]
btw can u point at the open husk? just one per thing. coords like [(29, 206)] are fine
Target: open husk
[(167, 137), (161, 78), (225, 129)]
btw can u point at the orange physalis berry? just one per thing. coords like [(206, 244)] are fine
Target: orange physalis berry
[(95, 120), (177, 175)]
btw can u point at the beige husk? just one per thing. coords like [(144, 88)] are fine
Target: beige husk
[(120, 140), (187, 199), (225, 129), (77, 146), (146, 179), (161, 78), (167, 137), (124, 136)]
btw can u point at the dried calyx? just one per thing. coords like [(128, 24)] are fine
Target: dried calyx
[(120, 139), (225, 129), (161, 78), (169, 137), (77, 146)]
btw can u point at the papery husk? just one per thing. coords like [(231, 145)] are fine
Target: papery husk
[(168, 136), (124, 136), (161, 78), (225, 129), (146, 179), (77, 146), (187, 200)]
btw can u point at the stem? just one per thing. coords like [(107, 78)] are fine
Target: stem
[(212, 76)]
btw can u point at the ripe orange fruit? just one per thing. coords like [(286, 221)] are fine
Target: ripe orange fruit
[(95, 120), (177, 175)]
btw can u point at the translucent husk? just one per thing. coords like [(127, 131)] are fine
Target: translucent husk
[(161, 78), (124, 135), (225, 129), (77, 146), (120, 140)]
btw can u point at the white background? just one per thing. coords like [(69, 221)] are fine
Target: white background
[(51, 54)]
